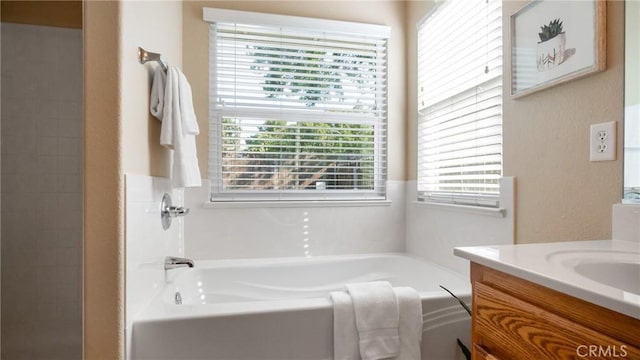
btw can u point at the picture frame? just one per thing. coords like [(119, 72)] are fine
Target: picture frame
[(553, 42)]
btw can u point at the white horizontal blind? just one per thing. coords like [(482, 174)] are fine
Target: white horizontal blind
[(460, 103), (296, 113)]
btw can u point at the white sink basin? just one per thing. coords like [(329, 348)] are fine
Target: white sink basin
[(621, 275), (620, 270)]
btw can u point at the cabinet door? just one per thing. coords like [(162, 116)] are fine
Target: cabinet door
[(510, 328)]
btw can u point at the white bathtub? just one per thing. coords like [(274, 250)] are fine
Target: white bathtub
[(279, 308)]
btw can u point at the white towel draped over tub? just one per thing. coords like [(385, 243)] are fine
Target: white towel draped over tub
[(375, 321), (376, 310), (171, 102)]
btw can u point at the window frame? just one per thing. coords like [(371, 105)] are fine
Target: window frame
[(216, 113)]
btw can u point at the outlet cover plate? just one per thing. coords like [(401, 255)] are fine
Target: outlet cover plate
[(602, 141)]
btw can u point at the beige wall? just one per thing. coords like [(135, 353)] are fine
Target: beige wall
[(632, 54), (157, 27), (120, 137), (560, 194), (103, 197), (66, 14), (196, 50)]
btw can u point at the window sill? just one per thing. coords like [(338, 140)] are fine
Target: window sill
[(478, 210), (294, 204)]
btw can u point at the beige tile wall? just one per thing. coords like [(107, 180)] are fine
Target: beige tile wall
[(41, 192)]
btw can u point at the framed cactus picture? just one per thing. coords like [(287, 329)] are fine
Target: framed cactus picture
[(553, 42)]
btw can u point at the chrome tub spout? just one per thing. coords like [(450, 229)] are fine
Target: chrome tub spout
[(172, 262)]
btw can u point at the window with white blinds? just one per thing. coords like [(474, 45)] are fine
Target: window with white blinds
[(298, 108), (460, 103)]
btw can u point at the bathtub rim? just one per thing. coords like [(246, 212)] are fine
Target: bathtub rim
[(244, 262), (159, 310)]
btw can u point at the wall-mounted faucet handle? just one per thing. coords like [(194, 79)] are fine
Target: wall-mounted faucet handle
[(175, 211), (168, 211)]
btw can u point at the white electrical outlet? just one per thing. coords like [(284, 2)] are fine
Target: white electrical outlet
[(602, 141)]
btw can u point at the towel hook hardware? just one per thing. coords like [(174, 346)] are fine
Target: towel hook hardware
[(168, 211), (145, 56)]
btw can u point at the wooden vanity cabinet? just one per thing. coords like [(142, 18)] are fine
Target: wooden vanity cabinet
[(520, 320)]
